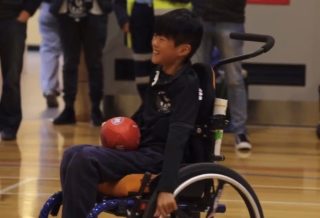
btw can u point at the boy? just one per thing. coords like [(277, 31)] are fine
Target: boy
[(166, 121)]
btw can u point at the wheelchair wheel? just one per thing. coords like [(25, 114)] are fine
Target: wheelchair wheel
[(318, 131), (211, 190)]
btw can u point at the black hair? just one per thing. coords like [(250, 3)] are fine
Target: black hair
[(182, 26)]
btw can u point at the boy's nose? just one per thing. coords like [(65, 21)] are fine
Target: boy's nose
[(154, 40), (153, 44)]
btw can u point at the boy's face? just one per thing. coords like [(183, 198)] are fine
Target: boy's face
[(166, 53)]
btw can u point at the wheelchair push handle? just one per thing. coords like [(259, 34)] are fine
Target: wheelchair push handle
[(268, 40)]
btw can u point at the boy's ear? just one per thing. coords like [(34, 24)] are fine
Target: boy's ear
[(184, 49)]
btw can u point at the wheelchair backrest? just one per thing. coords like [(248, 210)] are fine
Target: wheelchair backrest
[(205, 75), (200, 143)]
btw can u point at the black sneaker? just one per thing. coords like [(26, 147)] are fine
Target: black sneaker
[(242, 143), (52, 101), (67, 116), (96, 118), (8, 135)]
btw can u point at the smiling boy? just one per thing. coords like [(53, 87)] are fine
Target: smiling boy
[(166, 120)]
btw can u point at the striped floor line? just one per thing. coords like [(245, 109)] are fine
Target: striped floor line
[(16, 185)]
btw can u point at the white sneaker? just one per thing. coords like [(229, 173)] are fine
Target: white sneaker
[(242, 143)]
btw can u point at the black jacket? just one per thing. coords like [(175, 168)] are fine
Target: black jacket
[(11, 8), (167, 119), (105, 5), (220, 10)]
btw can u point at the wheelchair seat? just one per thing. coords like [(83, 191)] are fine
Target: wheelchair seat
[(128, 185)]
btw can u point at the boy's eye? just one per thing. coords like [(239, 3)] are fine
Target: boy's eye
[(158, 37)]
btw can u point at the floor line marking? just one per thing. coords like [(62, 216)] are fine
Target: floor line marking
[(11, 187)]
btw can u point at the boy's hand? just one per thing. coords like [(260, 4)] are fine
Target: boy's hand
[(23, 16), (166, 204)]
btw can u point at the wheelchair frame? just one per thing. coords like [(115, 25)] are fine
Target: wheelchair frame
[(200, 185)]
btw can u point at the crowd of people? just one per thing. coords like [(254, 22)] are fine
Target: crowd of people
[(162, 57), (67, 26)]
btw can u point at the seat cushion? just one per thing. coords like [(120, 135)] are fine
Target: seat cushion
[(122, 188)]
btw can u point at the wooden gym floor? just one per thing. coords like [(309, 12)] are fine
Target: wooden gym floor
[(284, 167)]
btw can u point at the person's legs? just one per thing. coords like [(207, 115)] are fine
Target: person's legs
[(94, 37), (203, 54), (70, 37), (141, 29), (84, 167), (50, 50), (12, 44), (237, 95)]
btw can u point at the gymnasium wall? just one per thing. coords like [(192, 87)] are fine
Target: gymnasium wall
[(33, 35), (297, 33)]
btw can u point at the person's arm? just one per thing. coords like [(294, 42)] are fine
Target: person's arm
[(120, 9), (29, 8), (182, 121)]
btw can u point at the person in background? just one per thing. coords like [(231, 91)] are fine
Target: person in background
[(82, 24), (219, 18), (50, 51), (14, 15), (138, 24)]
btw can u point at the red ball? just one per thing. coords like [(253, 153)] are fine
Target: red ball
[(120, 133)]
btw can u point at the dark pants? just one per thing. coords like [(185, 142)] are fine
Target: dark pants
[(12, 44), (84, 166), (141, 29), (89, 34)]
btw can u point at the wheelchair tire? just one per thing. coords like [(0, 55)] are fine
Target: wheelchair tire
[(196, 174)]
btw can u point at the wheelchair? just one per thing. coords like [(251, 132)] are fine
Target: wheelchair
[(205, 188)]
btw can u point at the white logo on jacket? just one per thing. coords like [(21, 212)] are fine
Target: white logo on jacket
[(163, 102)]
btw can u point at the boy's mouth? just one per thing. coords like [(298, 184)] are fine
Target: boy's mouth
[(155, 52)]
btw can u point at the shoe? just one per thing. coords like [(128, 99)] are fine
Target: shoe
[(96, 118), (52, 101), (8, 135), (67, 116), (242, 143)]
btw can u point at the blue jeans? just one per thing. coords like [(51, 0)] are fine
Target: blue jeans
[(217, 34), (50, 51), (12, 43)]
